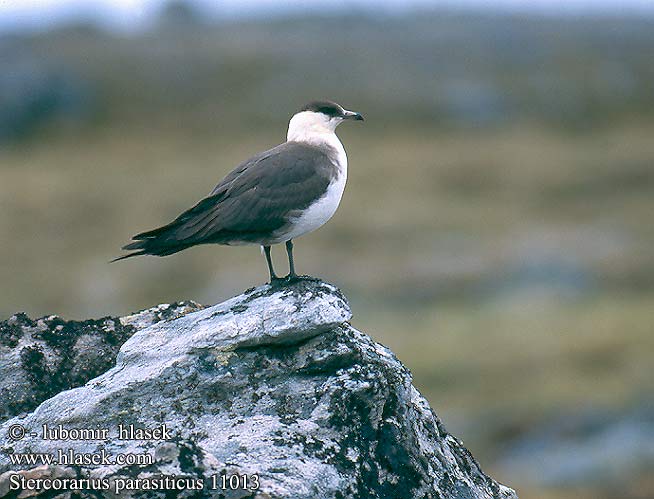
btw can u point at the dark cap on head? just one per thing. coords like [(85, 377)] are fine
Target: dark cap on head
[(331, 108), (327, 107)]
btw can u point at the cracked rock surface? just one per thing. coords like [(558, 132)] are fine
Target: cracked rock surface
[(274, 383), (42, 357)]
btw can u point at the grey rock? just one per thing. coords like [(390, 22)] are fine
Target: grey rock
[(42, 357), (274, 385)]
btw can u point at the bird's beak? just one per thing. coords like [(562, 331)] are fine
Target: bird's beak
[(351, 115)]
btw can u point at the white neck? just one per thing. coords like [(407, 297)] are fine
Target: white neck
[(317, 130)]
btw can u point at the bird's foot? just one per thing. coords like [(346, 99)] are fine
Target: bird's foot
[(277, 281), (289, 279), (295, 277)]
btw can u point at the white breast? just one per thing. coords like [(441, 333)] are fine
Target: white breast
[(318, 213)]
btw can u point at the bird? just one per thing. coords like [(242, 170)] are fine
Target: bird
[(274, 197)]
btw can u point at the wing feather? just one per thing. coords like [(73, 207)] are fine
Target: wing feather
[(254, 199)]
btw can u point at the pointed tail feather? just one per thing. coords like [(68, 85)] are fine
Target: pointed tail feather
[(155, 243), (183, 232), (130, 255)]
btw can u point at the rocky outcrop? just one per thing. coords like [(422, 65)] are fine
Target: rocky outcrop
[(40, 358), (272, 394)]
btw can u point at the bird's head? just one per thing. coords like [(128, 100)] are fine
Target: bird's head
[(319, 117)]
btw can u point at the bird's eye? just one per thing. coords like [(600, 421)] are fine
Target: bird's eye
[(330, 111)]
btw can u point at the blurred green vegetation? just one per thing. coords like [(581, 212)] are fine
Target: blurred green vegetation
[(496, 229)]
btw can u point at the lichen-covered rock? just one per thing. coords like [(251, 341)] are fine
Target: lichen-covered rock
[(40, 358), (273, 387)]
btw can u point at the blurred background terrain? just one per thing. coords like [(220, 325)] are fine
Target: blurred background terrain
[(496, 231)]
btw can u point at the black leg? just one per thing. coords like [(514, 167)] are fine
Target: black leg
[(291, 264), (273, 276)]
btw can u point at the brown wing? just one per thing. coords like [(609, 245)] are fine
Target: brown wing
[(254, 200)]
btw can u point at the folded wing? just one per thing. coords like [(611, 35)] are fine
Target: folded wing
[(252, 202)]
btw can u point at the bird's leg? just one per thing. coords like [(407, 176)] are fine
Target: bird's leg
[(273, 276), (291, 265)]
